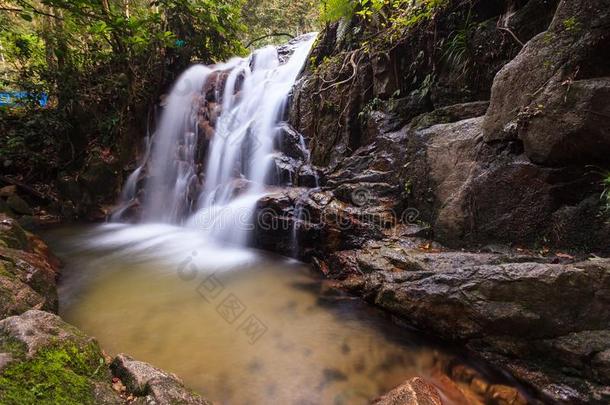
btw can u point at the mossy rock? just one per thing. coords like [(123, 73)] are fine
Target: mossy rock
[(12, 234), (56, 375), (51, 361)]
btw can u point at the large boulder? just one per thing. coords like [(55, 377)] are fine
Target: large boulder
[(555, 94)]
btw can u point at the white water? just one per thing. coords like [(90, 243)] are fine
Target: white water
[(238, 158)]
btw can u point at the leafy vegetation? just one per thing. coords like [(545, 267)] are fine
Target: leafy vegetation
[(102, 63), (458, 48), (275, 21)]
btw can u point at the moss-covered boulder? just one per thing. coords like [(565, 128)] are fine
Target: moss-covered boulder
[(47, 361), (11, 233)]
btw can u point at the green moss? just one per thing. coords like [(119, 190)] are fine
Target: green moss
[(571, 24), (12, 346), (56, 375), (5, 267)]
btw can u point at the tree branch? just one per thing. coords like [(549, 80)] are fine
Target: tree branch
[(274, 34), (28, 7)]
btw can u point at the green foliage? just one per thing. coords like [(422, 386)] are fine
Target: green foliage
[(273, 21), (571, 24), (102, 63), (458, 50), (57, 375), (373, 105), (334, 10)]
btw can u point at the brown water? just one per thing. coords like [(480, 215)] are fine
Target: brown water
[(263, 332)]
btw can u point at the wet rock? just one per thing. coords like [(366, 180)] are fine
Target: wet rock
[(415, 391), (135, 374), (503, 395), (151, 383), (283, 170), (506, 307), (450, 114), (289, 141)]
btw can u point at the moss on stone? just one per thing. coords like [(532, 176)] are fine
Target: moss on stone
[(59, 374), (12, 346)]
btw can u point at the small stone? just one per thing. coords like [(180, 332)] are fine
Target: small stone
[(118, 386), (479, 386), (18, 205), (504, 395)]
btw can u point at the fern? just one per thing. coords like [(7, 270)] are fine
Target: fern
[(457, 51)]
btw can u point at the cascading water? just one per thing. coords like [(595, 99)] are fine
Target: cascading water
[(207, 177)]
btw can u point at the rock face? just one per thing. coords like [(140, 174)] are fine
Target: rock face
[(546, 323), (561, 103), (520, 172)]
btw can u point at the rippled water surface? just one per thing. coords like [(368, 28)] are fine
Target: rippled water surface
[(240, 327)]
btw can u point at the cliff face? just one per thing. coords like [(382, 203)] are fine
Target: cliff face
[(497, 111), (478, 125)]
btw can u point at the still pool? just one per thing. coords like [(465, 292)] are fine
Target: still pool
[(239, 326)]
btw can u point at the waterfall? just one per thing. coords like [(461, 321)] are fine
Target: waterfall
[(210, 158)]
